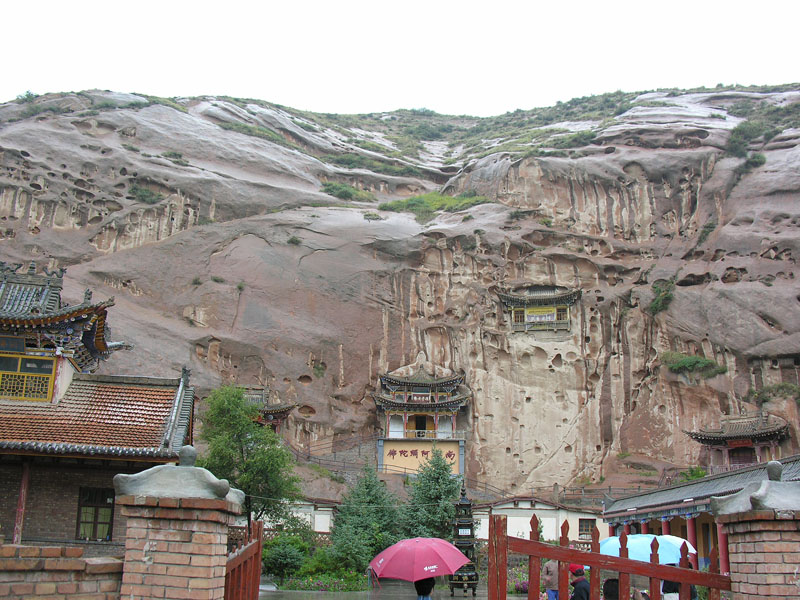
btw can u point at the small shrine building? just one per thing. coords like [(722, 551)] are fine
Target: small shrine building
[(539, 307), (271, 411), (742, 440), (420, 405)]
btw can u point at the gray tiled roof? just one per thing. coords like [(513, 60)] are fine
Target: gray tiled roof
[(23, 294), (699, 489)]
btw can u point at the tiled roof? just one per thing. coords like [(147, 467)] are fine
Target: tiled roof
[(102, 416), (23, 294), (422, 377), (739, 427), (699, 491), (538, 295)]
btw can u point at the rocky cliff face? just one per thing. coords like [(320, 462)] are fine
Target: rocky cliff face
[(205, 219)]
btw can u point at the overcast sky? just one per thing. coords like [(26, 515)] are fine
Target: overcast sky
[(459, 57)]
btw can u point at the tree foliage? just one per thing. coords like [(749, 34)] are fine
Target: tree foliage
[(367, 521), (430, 509), (251, 457)]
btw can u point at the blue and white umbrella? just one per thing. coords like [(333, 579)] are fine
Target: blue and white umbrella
[(669, 547)]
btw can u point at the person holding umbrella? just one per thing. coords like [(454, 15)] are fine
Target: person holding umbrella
[(424, 588), (419, 560)]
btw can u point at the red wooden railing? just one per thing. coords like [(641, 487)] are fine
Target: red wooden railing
[(500, 544), (243, 569)]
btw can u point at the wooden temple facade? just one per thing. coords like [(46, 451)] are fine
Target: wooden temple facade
[(539, 307), (419, 407), (741, 441), (65, 432)]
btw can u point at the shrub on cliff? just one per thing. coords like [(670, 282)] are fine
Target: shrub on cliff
[(663, 296), (678, 362)]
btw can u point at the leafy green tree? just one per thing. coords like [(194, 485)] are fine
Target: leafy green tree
[(368, 517), (430, 509), (251, 457)]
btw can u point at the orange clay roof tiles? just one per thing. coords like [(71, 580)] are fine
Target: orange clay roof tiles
[(95, 417)]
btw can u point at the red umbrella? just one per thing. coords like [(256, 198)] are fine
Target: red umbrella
[(418, 558)]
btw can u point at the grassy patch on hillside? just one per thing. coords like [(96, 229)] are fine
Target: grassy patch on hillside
[(344, 191), (165, 102), (259, 132), (426, 206), (357, 161)]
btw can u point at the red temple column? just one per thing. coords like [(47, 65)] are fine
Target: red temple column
[(19, 519), (645, 527), (612, 531), (627, 528), (691, 533), (665, 527), (722, 546)]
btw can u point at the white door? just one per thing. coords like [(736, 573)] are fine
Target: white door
[(396, 426), (445, 431)]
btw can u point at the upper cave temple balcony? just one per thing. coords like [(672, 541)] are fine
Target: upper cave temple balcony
[(742, 441), (421, 404), (539, 307), (271, 411)]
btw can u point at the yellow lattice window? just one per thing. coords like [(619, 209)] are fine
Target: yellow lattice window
[(26, 377)]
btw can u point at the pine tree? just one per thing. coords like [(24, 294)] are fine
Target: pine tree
[(367, 521), (430, 510)]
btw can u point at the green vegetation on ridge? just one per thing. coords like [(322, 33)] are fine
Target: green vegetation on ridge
[(426, 206)]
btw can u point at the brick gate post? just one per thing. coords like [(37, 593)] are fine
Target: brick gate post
[(762, 523), (177, 531)]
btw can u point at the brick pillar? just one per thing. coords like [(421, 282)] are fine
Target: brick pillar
[(763, 546), (177, 531), (175, 547), (762, 523)]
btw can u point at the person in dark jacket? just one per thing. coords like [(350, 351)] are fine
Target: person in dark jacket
[(580, 587), (424, 588)]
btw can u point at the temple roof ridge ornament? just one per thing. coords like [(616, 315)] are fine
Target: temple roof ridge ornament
[(422, 371)]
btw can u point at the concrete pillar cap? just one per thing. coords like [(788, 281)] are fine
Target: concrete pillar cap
[(178, 481)]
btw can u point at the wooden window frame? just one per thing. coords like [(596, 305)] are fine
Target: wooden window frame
[(24, 378), (104, 495), (586, 535)]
